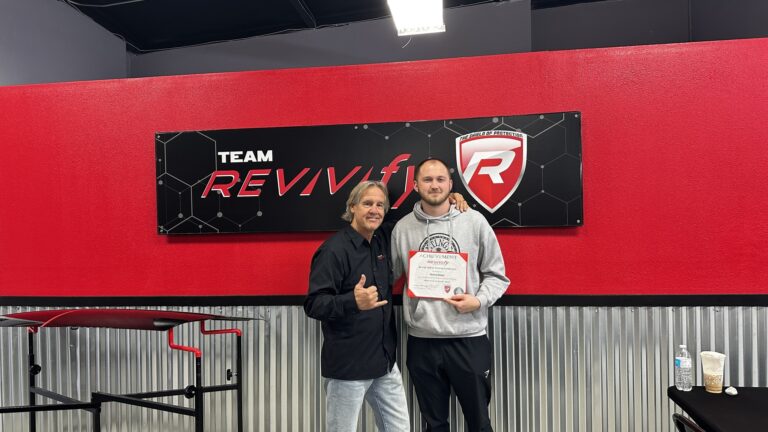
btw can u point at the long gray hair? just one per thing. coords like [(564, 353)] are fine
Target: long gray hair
[(357, 193)]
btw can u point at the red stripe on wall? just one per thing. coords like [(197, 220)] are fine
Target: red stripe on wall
[(675, 154)]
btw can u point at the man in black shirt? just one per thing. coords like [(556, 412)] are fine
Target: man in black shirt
[(350, 291)]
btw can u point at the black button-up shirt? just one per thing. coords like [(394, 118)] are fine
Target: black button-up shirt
[(357, 344)]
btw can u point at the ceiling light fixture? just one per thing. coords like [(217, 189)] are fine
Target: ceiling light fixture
[(414, 17)]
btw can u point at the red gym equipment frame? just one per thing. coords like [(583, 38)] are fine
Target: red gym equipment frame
[(135, 319)]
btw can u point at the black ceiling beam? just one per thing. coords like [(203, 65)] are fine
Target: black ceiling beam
[(545, 4), (305, 13)]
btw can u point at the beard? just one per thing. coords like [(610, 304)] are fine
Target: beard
[(435, 199)]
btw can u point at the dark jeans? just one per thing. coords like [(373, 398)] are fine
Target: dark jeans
[(437, 365)]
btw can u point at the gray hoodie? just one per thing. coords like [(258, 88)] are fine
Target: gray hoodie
[(453, 232)]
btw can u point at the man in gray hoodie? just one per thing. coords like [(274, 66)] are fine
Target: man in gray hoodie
[(447, 342)]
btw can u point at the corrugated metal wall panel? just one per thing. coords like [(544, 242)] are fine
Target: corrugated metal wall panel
[(555, 368)]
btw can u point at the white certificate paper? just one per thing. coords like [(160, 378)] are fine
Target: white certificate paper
[(437, 274)]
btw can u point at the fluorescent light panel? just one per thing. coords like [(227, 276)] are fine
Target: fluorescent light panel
[(414, 17)]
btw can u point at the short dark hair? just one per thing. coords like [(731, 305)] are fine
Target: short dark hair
[(431, 159)]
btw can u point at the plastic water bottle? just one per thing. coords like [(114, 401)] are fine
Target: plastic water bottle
[(683, 368)]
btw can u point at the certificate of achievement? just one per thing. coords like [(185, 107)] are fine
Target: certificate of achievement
[(437, 274)]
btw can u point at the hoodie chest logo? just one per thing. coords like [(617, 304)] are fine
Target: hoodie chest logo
[(439, 242)]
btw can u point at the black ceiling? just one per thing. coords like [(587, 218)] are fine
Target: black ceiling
[(150, 25)]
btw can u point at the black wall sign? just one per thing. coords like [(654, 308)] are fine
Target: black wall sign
[(516, 170)]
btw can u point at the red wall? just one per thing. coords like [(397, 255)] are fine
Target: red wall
[(675, 150)]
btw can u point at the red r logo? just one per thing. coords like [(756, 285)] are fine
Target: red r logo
[(491, 165)]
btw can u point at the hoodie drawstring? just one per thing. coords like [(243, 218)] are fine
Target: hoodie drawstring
[(450, 232)]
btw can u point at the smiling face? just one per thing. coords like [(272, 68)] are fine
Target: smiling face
[(433, 183), (368, 213)]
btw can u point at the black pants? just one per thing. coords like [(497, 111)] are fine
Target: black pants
[(436, 365)]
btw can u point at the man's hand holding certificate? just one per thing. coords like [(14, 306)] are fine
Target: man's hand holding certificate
[(437, 274)]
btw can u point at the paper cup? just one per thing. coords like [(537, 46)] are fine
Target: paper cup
[(712, 364)]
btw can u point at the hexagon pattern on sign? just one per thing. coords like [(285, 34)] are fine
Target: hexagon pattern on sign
[(298, 178)]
